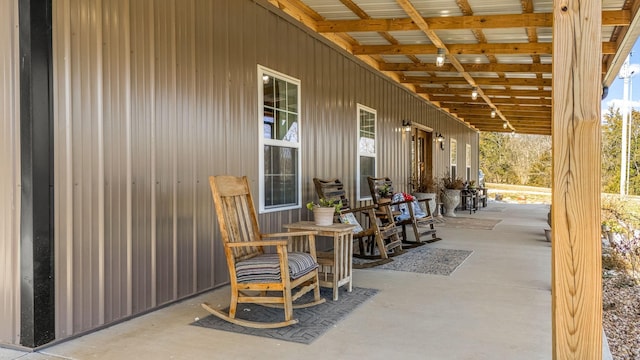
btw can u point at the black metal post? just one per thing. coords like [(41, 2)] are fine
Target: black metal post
[(37, 323)]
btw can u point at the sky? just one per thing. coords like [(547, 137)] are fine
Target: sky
[(615, 96)]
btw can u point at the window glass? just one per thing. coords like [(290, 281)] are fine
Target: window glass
[(366, 150), (279, 99)]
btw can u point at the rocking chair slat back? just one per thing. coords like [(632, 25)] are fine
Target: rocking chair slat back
[(239, 223)]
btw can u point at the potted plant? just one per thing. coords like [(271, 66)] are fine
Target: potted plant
[(324, 210), (385, 191), (450, 193), (425, 187)]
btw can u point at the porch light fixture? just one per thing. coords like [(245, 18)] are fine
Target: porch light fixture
[(440, 57), (440, 140), (505, 125), (493, 113), (265, 79), (474, 93), (406, 125)]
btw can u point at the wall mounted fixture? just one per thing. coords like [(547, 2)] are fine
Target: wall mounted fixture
[(493, 113), (440, 139), (440, 57), (265, 79), (474, 93), (406, 125)]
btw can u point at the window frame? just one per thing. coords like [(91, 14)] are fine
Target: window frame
[(262, 141), (360, 108)]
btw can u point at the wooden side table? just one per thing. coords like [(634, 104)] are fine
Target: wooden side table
[(336, 267)]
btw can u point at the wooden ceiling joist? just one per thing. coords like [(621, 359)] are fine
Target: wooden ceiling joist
[(609, 18)]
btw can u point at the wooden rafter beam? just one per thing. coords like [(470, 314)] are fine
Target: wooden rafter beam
[(441, 80), (488, 92), (545, 114), (468, 49), (448, 101), (514, 108), (609, 18), (510, 116), (517, 68)]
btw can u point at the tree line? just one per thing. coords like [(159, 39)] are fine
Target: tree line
[(526, 159)]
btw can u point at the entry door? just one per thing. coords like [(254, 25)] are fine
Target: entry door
[(422, 157)]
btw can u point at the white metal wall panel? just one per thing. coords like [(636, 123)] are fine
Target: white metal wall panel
[(152, 97), (9, 174)]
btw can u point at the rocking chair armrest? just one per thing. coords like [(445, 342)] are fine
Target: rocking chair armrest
[(258, 243), (424, 200), (290, 234)]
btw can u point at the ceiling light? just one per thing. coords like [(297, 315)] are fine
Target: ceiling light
[(440, 58), (474, 93), (493, 113), (505, 125)]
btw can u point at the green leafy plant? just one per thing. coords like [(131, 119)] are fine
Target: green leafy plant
[(334, 203), (385, 191)]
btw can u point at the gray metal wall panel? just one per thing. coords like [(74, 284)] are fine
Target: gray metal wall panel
[(9, 174), (152, 97)]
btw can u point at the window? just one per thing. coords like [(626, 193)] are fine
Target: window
[(366, 150), (468, 161), (279, 104), (453, 157)]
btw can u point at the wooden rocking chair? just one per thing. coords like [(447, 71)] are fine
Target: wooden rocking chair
[(255, 276), (384, 237), (421, 226)]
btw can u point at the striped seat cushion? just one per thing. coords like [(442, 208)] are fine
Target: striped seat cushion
[(266, 267)]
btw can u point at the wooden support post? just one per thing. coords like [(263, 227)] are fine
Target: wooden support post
[(576, 254)]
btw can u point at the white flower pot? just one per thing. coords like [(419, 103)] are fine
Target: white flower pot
[(323, 216), (450, 199)]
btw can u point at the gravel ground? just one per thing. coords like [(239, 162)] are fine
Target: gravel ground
[(621, 315)]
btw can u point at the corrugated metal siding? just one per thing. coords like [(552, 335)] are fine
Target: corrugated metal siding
[(152, 97), (9, 174)]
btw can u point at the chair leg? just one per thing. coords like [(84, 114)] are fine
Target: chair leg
[(288, 304), (233, 303), (379, 242)]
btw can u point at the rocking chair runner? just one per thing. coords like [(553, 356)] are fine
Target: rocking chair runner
[(421, 225), (384, 237), (250, 268)]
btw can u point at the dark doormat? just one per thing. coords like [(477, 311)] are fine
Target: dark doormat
[(313, 321), (469, 223), (426, 260)]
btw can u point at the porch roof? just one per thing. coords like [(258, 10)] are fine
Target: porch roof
[(503, 48)]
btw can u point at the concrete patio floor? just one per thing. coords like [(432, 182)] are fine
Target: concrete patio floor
[(496, 305)]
